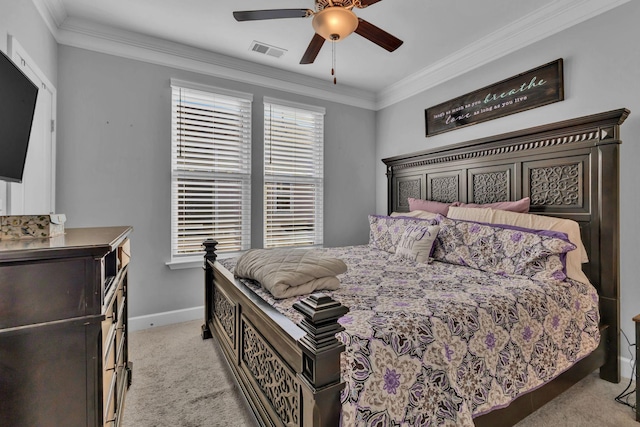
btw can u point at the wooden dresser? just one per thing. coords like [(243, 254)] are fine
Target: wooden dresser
[(63, 329)]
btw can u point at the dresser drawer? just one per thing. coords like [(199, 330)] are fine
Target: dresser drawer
[(43, 374), (109, 322), (110, 405), (70, 292), (109, 372), (121, 324)]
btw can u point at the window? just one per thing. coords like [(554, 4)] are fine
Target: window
[(211, 169), (293, 174)]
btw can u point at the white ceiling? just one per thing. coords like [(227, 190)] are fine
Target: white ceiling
[(442, 38)]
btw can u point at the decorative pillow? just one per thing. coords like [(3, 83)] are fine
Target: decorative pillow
[(535, 222), (539, 255), (521, 205), (416, 243), (385, 231), (416, 214), (429, 206)]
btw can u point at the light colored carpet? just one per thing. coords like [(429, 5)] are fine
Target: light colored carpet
[(588, 403), (179, 380)]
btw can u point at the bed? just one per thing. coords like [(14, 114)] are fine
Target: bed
[(287, 360)]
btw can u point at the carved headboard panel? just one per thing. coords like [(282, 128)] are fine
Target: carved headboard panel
[(569, 169)]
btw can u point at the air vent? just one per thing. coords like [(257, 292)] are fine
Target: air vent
[(265, 49)]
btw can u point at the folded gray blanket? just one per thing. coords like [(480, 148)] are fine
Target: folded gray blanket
[(290, 272)]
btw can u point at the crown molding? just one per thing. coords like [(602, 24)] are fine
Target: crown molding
[(53, 12), (544, 22), (104, 39)]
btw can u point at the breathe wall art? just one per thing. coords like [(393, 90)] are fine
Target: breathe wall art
[(534, 88)]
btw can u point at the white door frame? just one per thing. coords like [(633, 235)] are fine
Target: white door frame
[(15, 193)]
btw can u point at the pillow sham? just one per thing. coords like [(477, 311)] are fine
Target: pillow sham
[(521, 205), (416, 243), (385, 231), (535, 222), (416, 214), (429, 206), (498, 249)]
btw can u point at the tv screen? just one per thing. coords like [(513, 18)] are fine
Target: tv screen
[(17, 105)]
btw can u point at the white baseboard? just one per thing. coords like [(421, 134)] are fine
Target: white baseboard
[(625, 368), (166, 318)]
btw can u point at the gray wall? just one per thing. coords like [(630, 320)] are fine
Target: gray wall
[(114, 161), (601, 64)]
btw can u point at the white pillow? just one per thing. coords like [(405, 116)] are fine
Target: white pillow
[(416, 243), (575, 258)]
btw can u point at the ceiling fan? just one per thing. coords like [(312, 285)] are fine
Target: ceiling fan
[(333, 20)]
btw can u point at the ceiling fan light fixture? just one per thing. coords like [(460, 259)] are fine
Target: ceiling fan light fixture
[(335, 23)]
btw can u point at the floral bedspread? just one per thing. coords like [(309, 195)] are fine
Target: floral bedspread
[(438, 344)]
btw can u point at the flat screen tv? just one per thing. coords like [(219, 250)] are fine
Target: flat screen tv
[(18, 97)]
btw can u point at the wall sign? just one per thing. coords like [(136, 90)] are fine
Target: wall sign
[(534, 88)]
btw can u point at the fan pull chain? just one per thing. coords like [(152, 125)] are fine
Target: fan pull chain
[(333, 61)]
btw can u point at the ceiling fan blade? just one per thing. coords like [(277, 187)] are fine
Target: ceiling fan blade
[(377, 35), (312, 51), (257, 15), (366, 3)]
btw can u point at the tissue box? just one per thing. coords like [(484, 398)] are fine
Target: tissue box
[(14, 227)]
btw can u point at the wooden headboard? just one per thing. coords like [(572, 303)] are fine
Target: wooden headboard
[(569, 169)]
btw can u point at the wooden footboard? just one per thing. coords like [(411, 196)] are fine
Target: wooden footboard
[(290, 374)]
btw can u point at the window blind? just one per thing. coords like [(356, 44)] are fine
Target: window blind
[(211, 171), (293, 176)]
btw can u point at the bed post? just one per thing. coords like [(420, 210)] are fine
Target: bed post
[(320, 376), (389, 189), (209, 256), (609, 262)]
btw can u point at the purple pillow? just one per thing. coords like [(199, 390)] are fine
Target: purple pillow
[(540, 255), (430, 206), (521, 206)]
